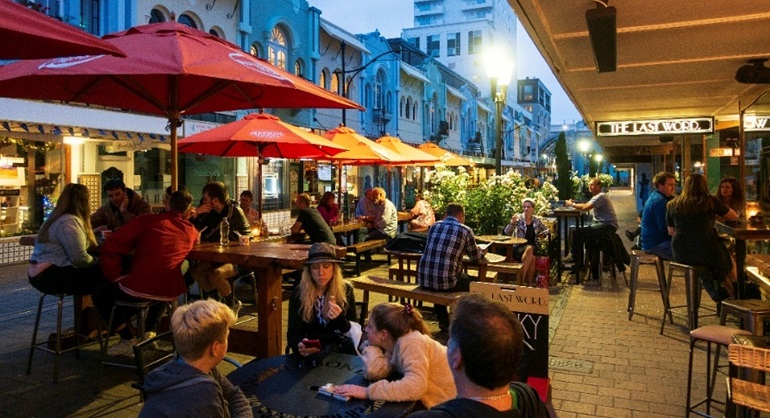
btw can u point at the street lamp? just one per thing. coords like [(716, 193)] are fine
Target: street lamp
[(499, 68)]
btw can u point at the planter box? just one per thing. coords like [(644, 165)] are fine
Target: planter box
[(11, 252)]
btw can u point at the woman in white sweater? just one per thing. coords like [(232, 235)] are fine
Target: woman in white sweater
[(399, 341)]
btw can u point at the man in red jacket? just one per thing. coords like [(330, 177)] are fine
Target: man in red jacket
[(157, 245)]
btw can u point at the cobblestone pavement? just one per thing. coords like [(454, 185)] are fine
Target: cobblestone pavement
[(601, 363)]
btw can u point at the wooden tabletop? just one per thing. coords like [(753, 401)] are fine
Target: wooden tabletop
[(502, 239), (255, 255), (744, 230)]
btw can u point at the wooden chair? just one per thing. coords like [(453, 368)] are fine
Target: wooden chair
[(743, 392)]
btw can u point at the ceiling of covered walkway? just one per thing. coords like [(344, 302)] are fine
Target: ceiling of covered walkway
[(674, 59)]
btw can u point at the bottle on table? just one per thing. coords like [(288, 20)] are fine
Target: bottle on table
[(224, 232)]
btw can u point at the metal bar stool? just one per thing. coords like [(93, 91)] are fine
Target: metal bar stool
[(752, 313), (81, 340), (693, 292), (142, 308), (721, 336), (639, 257)]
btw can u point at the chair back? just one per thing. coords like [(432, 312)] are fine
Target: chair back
[(743, 392), (152, 353)]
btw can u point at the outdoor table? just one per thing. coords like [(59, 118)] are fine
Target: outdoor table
[(403, 221), (348, 229), (742, 231), (266, 259), (563, 216), (288, 386), (503, 241)]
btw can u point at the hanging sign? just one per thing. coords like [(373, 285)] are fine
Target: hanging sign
[(724, 152), (656, 127), (756, 123)]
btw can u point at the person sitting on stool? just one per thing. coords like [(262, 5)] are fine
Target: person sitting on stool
[(605, 222)]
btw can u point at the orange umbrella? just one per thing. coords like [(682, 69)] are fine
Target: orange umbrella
[(362, 151), (447, 158), (263, 136), (408, 152)]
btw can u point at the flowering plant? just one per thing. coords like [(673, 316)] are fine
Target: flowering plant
[(580, 185), (446, 187)]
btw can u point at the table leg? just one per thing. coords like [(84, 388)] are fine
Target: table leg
[(269, 312), (740, 265)]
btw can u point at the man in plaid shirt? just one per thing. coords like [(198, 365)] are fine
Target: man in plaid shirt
[(440, 267)]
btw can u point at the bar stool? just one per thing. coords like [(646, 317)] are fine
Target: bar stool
[(752, 312), (639, 257), (142, 309), (716, 334), (692, 292), (82, 340)]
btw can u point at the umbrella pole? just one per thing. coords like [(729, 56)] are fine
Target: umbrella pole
[(339, 187), (259, 184), (174, 154)]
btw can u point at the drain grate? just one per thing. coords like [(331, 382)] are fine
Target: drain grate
[(567, 365)]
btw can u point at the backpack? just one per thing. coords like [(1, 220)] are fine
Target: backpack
[(409, 242)]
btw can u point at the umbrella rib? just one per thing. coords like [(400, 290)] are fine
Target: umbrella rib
[(247, 97), (215, 89), (140, 91)]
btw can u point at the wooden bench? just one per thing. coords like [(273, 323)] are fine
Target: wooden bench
[(508, 268), (399, 289), (359, 248)]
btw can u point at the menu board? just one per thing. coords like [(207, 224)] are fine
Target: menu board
[(94, 184), (531, 307)]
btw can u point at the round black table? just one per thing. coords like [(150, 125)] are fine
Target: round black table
[(285, 385)]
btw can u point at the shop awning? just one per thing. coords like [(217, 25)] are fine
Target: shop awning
[(340, 34), (454, 92), (414, 72)]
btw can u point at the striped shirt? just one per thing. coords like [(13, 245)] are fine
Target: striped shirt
[(448, 241)]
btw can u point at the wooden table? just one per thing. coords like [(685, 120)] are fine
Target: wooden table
[(288, 386), (743, 231), (267, 260), (563, 216), (503, 241)]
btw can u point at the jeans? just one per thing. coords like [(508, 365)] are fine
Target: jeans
[(581, 235)]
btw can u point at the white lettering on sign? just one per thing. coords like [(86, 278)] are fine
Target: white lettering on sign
[(68, 61), (756, 123), (265, 134), (529, 325), (656, 127)]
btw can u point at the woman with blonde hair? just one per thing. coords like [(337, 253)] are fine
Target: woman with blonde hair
[(422, 215), (398, 340), (60, 262), (530, 227), (690, 220), (321, 307)]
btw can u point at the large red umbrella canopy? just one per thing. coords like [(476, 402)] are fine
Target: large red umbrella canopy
[(407, 151), (27, 34), (263, 136), (447, 158), (170, 69)]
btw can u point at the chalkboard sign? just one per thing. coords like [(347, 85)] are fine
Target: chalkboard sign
[(531, 307)]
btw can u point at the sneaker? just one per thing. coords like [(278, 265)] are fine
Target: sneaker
[(123, 348)]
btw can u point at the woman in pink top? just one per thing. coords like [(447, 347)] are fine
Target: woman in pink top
[(328, 209)]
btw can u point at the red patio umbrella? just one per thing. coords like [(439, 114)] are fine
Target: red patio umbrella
[(27, 34), (170, 69), (263, 136)]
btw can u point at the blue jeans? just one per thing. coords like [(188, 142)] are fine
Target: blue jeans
[(662, 250)]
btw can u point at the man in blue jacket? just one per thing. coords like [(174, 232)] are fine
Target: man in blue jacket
[(655, 238)]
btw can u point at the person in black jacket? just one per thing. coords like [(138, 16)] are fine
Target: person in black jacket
[(484, 351)]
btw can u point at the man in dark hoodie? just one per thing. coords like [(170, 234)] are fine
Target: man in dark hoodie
[(123, 205), (190, 385)]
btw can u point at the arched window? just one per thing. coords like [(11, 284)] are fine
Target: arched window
[(350, 86), (254, 49), (408, 107), (187, 21), (379, 84), (414, 110), (156, 16), (335, 87), (215, 33), (276, 50), (323, 80), (401, 107), (298, 69)]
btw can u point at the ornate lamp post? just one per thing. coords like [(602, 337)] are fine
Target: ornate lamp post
[(345, 85), (499, 68)]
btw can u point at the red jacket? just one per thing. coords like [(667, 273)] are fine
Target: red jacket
[(158, 245)]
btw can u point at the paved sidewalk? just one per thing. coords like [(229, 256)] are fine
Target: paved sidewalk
[(601, 363)]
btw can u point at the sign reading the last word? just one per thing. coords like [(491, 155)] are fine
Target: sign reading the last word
[(756, 123), (656, 127)]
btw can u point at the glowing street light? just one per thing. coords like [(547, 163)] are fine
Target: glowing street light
[(499, 67)]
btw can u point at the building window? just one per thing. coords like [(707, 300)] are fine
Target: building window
[(156, 16), (335, 87), (276, 50), (401, 107), (414, 41), (323, 79), (434, 45), (379, 98), (298, 69), (453, 44), (187, 21), (474, 42), (215, 33), (414, 110), (408, 110), (528, 92)]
